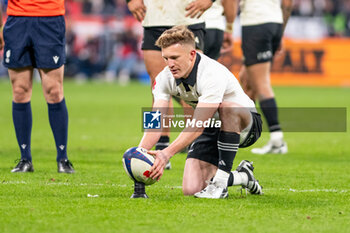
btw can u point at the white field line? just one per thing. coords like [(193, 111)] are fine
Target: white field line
[(177, 187), (311, 190)]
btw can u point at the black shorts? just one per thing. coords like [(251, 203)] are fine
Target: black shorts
[(212, 43), (205, 147), (38, 42), (260, 42), (151, 35)]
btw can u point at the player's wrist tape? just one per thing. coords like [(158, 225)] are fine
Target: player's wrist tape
[(229, 27)]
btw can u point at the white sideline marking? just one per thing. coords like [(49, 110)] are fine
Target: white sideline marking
[(13, 182), (180, 187), (316, 190)]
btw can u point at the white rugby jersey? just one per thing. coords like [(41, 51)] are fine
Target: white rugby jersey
[(255, 12), (208, 82), (214, 18), (162, 13)]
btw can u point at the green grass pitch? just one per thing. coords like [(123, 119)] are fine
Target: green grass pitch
[(307, 190)]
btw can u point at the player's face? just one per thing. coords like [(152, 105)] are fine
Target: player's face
[(179, 58)]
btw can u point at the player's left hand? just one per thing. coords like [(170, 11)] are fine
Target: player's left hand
[(197, 8), (138, 9), (161, 160), (227, 43)]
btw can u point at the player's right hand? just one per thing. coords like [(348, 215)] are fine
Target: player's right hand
[(196, 8), (138, 9), (157, 169)]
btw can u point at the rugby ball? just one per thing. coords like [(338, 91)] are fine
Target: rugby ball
[(137, 163)]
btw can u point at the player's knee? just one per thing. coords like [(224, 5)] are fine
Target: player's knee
[(230, 117), (264, 91), (229, 112), (21, 94), (54, 95), (189, 190)]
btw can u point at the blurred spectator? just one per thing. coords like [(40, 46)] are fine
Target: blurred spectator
[(336, 14), (87, 7), (122, 9), (89, 63), (72, 65), (73, 7), (124, 59), (109, 7), (104, 7)]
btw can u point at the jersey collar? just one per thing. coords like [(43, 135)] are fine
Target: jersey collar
[(192, 77)]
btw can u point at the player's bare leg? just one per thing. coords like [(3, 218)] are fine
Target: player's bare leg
[(246, 85), (234, 119), (259, 80), (22, 81), (154, 63), (196, 173), (52, 83)]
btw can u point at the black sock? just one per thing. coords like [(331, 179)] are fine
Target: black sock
[(162, 143), (22, 120), (58, 117), (230, 180), (228, 143), (269, 109)]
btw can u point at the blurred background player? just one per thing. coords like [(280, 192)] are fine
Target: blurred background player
[(34, 36), (156, 17), (218, 34), (263, 23)]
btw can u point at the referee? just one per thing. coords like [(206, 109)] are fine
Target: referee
[(34, 36)]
